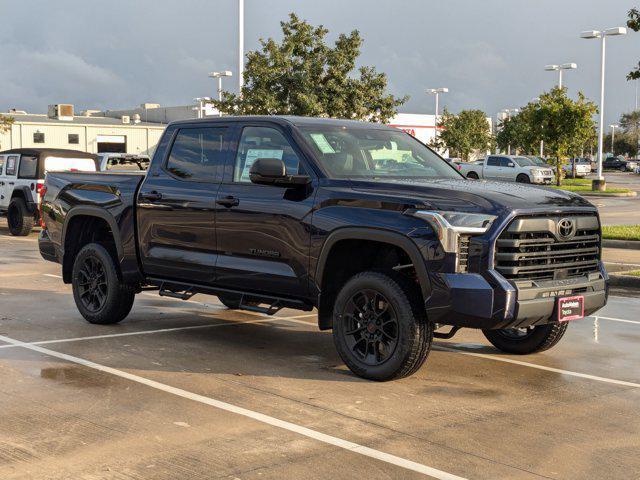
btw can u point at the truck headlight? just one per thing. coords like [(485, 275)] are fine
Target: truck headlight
[(450, 225)]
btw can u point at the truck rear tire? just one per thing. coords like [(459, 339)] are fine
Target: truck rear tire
[(380, 328), (523, 341), (19, 219), (100, 295)]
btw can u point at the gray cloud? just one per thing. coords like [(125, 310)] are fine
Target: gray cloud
[(490, 54)]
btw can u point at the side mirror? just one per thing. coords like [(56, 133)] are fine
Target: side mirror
[(272, 171), (510, 164)]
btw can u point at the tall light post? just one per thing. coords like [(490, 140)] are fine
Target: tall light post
[(219, 75), (508, 112), (200, 108), (437, 92), (599, 183), (536, 100), (613, 137), (240, 44), (560, 68)]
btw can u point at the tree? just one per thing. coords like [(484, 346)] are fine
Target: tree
[(625, 144), (5, 124), (630, 123), (567, 125), (634, 24), (464, 133), (302, 75), (521, 132)]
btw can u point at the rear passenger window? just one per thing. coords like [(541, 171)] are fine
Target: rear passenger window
[(11, 165), (264, 142), (28, 167), (196, 153)]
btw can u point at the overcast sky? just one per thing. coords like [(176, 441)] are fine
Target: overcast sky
[(490, 54)]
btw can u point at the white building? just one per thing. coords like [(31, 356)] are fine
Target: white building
[(60, 128)]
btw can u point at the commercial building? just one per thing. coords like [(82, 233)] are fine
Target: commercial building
[(61, 128)]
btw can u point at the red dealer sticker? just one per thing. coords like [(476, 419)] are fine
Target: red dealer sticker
[(570, 308)]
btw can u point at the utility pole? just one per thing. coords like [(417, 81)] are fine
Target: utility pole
[(240, 45)]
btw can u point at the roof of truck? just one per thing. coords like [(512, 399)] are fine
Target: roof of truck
[(286, 119)]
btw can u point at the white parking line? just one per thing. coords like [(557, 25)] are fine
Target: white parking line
[(51, 275), (539, 367), (264, 319), (613, 319), (260, 417)]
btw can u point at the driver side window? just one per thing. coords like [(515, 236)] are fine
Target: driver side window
[(263, 142)]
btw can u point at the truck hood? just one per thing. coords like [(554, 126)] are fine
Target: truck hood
[(481, 196)]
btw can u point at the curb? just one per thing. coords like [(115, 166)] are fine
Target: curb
[(628, 244), (626, 281), (606, 195)]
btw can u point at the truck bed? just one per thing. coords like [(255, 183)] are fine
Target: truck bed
[(108, 195)]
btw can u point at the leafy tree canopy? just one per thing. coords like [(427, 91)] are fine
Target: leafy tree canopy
[(566, 126), (5, 123), (464, 133), (302, 75)]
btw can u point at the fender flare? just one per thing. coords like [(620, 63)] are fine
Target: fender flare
[(27, 195), (376, 235), (93, 212)]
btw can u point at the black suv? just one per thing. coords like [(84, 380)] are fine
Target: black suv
[(361, 221)]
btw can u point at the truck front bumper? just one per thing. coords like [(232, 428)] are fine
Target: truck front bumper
[(491, 302)]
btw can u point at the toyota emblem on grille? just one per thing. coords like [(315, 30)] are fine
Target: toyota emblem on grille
[(566, 228)]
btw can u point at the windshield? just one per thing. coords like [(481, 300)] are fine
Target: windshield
[(357, 152), (523, 162)]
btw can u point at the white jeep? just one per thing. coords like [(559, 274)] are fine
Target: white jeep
[(22, 172)]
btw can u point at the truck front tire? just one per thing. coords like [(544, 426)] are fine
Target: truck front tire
[(523, 178), (19, 219), (100, 295), (380, 328), (523, 341)]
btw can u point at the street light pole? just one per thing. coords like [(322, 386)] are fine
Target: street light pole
[(508, 111), (219, 75), (560, 68), (240, 45), (437, 92), (599, 183), (613, 138)]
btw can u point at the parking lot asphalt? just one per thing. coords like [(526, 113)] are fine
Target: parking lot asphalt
[(619, 210), (192, 390)]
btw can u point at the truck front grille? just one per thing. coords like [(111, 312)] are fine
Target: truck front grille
[(534, 248)]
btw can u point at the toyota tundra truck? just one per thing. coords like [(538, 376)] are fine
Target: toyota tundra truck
[(390, 243)]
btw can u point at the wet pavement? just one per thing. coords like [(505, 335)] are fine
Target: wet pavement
[(186, 390)]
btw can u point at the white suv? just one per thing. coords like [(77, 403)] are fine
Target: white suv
[(22, 172)]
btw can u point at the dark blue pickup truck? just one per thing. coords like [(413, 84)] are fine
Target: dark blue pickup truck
[(361, 221)]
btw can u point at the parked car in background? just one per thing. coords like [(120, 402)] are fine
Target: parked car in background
[(274, 212), (539, 161), (22, 172), (508, 168), (454, 162), (619, 163), (582, 167), (123, 162)]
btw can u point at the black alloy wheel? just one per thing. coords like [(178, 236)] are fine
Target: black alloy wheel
[(92, 284), (371, 327)]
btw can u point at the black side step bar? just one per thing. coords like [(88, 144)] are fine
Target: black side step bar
[(184, 291), (450, 334)]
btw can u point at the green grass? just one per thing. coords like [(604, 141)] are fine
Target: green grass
[(621, 232), (587, 188), (632, 273), (584, 185)]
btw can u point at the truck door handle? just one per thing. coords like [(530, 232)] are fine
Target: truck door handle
[(11, 183), (151, 196), (228, 201)]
